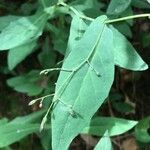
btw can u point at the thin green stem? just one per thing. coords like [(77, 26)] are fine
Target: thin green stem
[(79, 14), (76, 12), (127, 18)]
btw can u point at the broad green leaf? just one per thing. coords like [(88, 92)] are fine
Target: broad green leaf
[(104, 143), (28, 119), (140, 4), (11, 133), (30, 89), (21, 52), (5, 21), (77, 29), (27, 83), (115, 126), (3, 121), (19, 128), (117, 6), (125, 54), (142, 130), (82, 92), (22, 31)]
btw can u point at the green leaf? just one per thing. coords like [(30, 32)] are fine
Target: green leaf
[(6, 20), (46, 139), (140, 4), (118, 6), (3, 121), (86, 87), (21, 52), (142, 130), (77, 29), (26, 83), (115, 126), (146, 40), (148, 1), (128, 12), (19, 128), (124, 28), (88, 7), (104, 143), (11, 133), (29, 119), (125, 54), (22, 31)]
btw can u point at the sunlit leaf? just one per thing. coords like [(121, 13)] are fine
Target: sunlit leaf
[(115, 126), (90, 83), (22, 31), (125, 54), (104, 143)]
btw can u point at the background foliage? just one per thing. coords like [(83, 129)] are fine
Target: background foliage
[(35, 35)]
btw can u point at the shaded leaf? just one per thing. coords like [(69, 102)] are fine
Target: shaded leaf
[(47, 57), (21, 52), (6, 20), (11, 133), (88, 7), (142, 130), (26, 83), (140, 4), (28, 119), (148, 1), (116, 7), (104, 143)]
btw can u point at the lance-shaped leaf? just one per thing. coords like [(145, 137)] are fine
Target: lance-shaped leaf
[(116, 7), (21, 52), (11, 133), (5, 21), (142, 130), (77, 29), (82, 91), (115, 126), (22, 31), (125, 54), (104, 143)]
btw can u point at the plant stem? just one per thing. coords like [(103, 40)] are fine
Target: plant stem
[(76, 12), (127, 18)]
